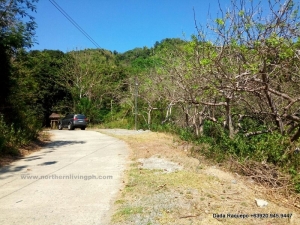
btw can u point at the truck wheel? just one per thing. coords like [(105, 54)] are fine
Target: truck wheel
[(70, 127)]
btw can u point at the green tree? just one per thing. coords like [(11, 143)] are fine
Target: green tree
[(14, 34), (44, 68), (94, 80)]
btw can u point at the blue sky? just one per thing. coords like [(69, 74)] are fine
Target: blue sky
[(119, 25)]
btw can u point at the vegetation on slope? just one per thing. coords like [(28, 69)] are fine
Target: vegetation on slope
[(236, 91)]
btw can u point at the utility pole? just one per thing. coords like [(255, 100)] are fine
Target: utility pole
[(135, 102)]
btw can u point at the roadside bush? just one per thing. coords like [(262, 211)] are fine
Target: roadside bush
[(12, 136), (272, 148), (119, 123)]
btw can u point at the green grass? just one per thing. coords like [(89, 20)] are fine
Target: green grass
[(125, 212)]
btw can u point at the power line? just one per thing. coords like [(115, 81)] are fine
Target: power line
[(74, 23)]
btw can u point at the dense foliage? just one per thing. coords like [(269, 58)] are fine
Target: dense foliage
[(236, 91), (18, 124)]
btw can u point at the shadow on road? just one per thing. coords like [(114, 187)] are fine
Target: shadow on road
[(51, 147), (47, 163), (32, 158), (55, 144), (10, 169)]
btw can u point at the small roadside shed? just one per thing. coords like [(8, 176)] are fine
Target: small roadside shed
[(54, 117)]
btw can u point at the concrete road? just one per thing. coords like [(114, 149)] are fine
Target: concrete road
[(73, 180)]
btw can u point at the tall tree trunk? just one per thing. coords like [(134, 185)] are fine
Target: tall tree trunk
[(229, 119), (5, 83), (149, 118), (200, 125), (272, 105)]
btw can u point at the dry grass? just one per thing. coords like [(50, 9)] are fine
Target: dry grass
[(189, 196), (272, 182)]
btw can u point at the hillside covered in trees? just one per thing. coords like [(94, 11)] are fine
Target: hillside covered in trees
[(237, 91)]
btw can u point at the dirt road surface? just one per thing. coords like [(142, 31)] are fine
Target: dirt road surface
[(73, 180)]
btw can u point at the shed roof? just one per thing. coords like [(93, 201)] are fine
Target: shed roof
[(54, 116)]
